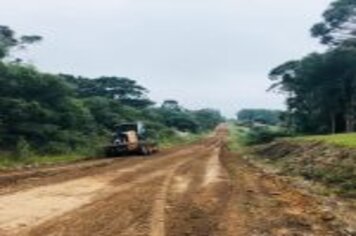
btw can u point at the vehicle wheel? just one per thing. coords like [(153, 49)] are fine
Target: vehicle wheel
[(144, 151), (108, 152)]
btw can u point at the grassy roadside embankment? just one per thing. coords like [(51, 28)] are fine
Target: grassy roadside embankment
[(10, 162), (323, 166), (342, 140), (237, 137), (327, 162)]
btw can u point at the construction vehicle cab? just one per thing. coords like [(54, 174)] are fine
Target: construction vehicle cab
[(130, 138)]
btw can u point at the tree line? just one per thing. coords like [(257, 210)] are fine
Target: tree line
[(261, 116), (321, 87), (55, 114)]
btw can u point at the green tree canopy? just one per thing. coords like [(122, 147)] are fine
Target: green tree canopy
[(339, 23), (321, 89), (125, 90), (52, 114), (8, 40)]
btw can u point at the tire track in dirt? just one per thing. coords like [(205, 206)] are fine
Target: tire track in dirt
[(196, 210), (158, 222), (136, 220), (199, 190), (124, 213), (33, 209), (213, 169), (159, 205), (34, 206), (14, 181)]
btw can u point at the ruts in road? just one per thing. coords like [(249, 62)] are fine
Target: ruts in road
[(198, 189)]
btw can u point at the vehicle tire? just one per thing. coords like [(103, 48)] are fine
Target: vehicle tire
[(108, 152), (144, 151)]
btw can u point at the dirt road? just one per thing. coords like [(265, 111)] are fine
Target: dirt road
[(200, 189)]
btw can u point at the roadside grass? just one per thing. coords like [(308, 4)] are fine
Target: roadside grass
[(344, 140), (242, 136), (237, 136), (275, 128), (11, 162), (328, 162), (330, 166)]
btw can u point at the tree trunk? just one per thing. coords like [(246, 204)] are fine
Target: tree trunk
[(333, 122), (350, 107), (350, 118), (348, 122)]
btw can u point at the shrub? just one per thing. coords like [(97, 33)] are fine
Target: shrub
[(260, 135), (56, 148), (23, 149)]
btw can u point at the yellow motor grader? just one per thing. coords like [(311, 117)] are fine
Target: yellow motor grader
[(131, 138)]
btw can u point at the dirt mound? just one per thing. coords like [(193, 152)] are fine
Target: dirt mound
[(328, 171), (263, 204), (331, 165)]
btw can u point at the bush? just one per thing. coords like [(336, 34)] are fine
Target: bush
[(56, 148), (23, 149), (260, 135)]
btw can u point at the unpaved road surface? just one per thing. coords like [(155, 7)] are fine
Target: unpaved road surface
[(199, 189)]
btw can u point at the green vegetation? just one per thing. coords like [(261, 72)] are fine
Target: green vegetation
[(9, 41), (8, 161), (304, 156), (262, 116), (264, 134), (325, 159), (338, 24), (343, 140), (321, 99), (51, 118), (333, 167), (237, 135), (241, 136), (321, 87)]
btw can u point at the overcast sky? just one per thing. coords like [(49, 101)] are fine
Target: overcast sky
[(204, 53)]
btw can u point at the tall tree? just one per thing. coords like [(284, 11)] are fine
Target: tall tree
[(125, 90), (321, 87), (321, 90), (339, 23), (8, 40)]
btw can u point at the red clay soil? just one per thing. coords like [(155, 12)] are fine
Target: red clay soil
[(199, 189)]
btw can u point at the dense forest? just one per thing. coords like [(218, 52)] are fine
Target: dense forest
[(44, 113), (321, 87)]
